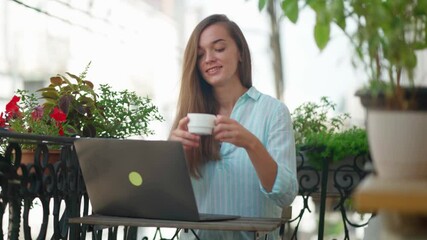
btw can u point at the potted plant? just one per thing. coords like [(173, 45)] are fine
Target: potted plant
[(123, 113), (102, 112), (24, 114), (386, 40), (71, 106), (76, 98), (332, 156), (321, 135)]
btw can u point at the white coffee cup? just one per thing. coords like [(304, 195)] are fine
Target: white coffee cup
[(201, 123)]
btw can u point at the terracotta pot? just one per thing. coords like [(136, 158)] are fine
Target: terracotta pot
[(28, 156)]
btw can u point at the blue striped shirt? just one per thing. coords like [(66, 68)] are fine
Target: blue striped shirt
[(231, 186)]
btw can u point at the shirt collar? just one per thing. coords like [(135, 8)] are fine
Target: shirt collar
[(252, 93)]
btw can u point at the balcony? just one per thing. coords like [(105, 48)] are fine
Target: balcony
[(40, 196)]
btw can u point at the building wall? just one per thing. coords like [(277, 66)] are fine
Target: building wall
[(138, 45), (131, 44)]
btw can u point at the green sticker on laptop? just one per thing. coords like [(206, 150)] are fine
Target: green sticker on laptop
[(135, 179)]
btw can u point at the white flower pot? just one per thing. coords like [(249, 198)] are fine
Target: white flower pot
[(398, 143)]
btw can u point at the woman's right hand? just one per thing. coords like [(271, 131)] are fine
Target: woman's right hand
[(182, 135)]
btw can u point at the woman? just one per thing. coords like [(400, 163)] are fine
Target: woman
[(247, 167)]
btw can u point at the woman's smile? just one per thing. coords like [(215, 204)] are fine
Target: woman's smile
[(213, 70)]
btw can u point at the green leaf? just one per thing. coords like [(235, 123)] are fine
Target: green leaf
[(291, 10), (79, 80), (321, 34), (75, 88), (49, 104), (66, 80), (317, 5), (410, 60), (261, 4), (67, 89), (87, 89), (422, 4), (338, 12), (86, 101), (70, 130), (48, 89), (50, 94)]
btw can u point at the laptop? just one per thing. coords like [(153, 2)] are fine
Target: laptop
[(139, 178)]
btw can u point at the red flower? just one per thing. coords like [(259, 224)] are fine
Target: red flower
[(2, 121), (12, 108), (37, 114), (61, 130), (58, 115)]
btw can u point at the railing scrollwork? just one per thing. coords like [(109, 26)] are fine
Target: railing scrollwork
[(60, 190), (336, 180), (58, 187)]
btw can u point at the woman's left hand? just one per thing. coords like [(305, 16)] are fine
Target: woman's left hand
[(229, 130)]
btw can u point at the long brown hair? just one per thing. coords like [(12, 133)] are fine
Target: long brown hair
[(196, 95)]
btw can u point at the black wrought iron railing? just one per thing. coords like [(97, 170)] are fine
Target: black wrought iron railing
[(59, 189), (334, 181)]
